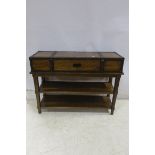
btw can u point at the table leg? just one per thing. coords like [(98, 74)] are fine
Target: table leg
[(116, 85), (110, 81), (36, 84)]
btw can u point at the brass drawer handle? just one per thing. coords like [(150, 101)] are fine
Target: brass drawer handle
[(77, 65)]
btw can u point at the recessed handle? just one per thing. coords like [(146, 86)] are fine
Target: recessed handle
[(77, 65)]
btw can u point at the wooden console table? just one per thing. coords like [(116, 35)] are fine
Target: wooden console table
[(76, 65)]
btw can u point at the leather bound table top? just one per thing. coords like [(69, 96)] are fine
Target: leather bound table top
[(74, 54)]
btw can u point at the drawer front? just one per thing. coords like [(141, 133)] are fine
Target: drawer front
[(112, 66), (40, 65), (77, 65)]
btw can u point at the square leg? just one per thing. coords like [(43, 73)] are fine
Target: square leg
[(116, 85), (36, 84)]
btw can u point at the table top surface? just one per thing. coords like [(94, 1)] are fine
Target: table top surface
[(75, 54)]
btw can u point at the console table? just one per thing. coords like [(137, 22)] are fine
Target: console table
[(62, 65)]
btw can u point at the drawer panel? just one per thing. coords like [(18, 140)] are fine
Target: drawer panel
[(77, 65), (112, 65), (41, 65)]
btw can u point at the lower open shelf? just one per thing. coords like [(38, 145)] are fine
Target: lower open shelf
[(75, 101), (78, 88)]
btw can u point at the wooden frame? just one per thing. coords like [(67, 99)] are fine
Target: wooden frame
[(49, 56)]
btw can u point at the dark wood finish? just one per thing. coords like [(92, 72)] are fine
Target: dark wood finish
[(97, 62), (41, 65), (75, 101), (82, 88), (110, 55), (42, 54), (110, 81), (117, 79), (77, 55), (36, 84), (76, 65), (76, 74), (112, 66), (45, 64)]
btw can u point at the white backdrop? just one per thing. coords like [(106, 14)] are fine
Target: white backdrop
[(87, 25)]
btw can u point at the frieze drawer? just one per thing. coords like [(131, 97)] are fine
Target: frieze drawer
[(77, 65)]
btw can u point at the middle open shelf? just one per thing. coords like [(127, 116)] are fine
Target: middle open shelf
[(79, 88)]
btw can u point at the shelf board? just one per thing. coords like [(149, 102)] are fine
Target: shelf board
[(75, 101), (79, 88)]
